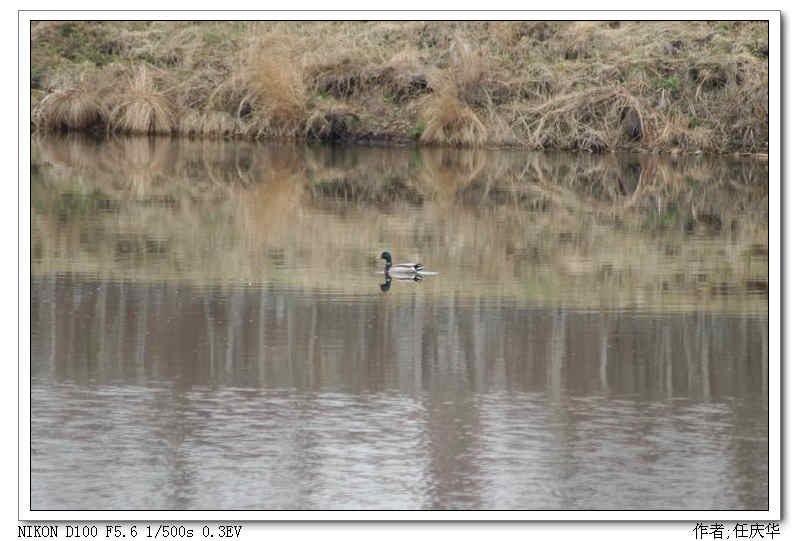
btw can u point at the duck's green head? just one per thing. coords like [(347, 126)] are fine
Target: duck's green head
[(386, 256)]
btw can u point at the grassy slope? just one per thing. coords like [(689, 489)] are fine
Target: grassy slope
[(569, 85)]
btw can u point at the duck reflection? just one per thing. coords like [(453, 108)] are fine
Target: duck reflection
[(385, 286)]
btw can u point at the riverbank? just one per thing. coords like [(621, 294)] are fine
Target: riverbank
[(671, 86)]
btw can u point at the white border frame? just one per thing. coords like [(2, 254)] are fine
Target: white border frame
[(774, 322)]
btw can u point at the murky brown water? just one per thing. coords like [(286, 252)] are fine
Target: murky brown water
[(209, 329)]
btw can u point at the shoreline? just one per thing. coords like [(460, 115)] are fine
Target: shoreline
[(596, 86), (398, 142)]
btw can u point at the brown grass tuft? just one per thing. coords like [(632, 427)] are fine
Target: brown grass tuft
[(143, 108), (265, 91), (449, 121), (69, 109), (469, 68), (80, 104)]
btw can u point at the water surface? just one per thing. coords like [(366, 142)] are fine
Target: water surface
[(210, 329)]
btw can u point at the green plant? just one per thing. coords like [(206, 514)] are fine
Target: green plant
[(418, 130), (758, 50), (670, 83)]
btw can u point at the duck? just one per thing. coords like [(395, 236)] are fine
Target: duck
[(400, 268)]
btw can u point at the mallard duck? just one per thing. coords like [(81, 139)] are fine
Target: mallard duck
[(400, 268)]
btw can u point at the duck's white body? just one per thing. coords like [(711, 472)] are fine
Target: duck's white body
[(405, 267), (400, 268)]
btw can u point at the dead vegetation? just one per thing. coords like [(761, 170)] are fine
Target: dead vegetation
[(593, 120), (79, 103), (265, 90), (449, 121), (144, 106), (586, 85)]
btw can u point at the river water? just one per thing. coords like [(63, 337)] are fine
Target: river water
[(211, 329)]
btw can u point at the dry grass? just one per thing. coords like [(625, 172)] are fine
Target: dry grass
[(590, 120), (207, 124), (265, 90), (75, 109), (144, 107), (449, 121), (467, 73), (591, 85), (76, 105)]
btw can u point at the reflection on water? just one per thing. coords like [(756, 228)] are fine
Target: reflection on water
[(563, 230), (388, 279), (211, 330)]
